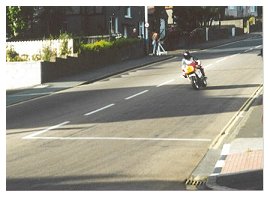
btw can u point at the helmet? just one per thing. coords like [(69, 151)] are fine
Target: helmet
[(187, 55)]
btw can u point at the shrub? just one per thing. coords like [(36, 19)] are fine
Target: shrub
[(36, 57), (98, 46), (10, 54), (102, 45), (48, 53), (24, 57), (13, 56), (64, 50), (123, 42)]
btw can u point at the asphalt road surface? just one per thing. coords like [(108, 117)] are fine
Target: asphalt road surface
[(146, 129)]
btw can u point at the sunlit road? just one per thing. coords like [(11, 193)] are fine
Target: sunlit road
[(143, 130)]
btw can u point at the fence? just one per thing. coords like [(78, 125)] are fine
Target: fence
[(31, 48)]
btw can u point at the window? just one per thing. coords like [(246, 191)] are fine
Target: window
[(113, 25), (90, 10), (94, 10), (253, 9), (99, 9), (73, 10), (231, 7), (128, 12), (125, 31), (141, 29)]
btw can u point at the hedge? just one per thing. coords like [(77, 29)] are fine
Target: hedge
[(103, 45)]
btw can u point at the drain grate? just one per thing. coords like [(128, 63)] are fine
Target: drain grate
[(196, 181)]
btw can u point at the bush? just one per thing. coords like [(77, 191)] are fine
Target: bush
[(13, 56), (103, 45), (64, 50), (24, 57), (36, 57), (48, 53), (98, 46), (124, 42)]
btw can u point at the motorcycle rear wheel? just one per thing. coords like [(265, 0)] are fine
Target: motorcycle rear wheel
[(204, 83), (194, 83)]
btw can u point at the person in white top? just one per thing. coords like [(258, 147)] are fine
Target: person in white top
[(188, 59)]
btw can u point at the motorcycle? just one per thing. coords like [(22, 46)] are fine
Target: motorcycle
[(195, 76)]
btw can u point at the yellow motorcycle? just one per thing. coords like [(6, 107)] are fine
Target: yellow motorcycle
[(195, 76)]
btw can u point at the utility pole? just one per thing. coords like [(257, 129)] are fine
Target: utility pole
[(146, 24)]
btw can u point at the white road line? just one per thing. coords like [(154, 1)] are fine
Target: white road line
[(258, 46), (221, 60), (225, 131), (100, 109), (248, 50), (166, 82), (234, 55), (136, 94), (121, 139), (31, 136)]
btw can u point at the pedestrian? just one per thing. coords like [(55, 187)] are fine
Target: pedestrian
[(154, 42), (134, 33)]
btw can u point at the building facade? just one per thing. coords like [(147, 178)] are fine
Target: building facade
[(105, 20), (241, 11)]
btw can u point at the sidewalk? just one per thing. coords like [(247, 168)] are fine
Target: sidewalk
[(21, 95), (240, 166)]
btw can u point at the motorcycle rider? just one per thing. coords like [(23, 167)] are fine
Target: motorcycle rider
[(188, 59)]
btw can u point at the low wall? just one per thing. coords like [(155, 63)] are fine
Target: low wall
[(236, 22), (66, 67), (22, 74), (34, 47), (25, 74)]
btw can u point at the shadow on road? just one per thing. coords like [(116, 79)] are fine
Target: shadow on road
[(166, 102), (106, 183)]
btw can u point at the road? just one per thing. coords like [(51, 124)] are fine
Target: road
[(146, 129)]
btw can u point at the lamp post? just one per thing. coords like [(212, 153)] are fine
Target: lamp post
[(146, 24)]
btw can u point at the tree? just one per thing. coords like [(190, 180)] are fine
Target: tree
[(19, 20), (51, 19), (15, 21), (189, 18)]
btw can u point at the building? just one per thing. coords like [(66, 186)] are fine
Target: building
[(158, 20), (241, 11), (88, 21), (105, 20)]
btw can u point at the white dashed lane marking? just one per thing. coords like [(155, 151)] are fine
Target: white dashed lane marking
[(100, 109), (136, 94)]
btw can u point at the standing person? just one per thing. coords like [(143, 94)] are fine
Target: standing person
[(154, 42), (134, 33)]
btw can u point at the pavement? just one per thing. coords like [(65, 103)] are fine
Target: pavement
[(239, 164)]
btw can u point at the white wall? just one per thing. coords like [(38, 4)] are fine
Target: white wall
[(35, 47), (22, 74)]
